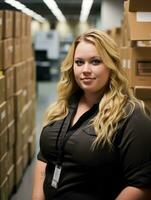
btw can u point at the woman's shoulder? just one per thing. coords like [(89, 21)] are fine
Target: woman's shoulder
[(139, 121), (141, 112)]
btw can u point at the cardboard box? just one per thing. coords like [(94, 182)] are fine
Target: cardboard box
[(139, 24), (11, 179), (9, 82), (25, 156), (3, 143), (125, 59), (17, 24), (31, 114), (3, 116), (7, 24), (1, 24), (24, 48), (138, 65), (144, 93), (4, 189), (116, 35), (10, 109), (16, 50), (18, 77), (11, 134), (3, 167), (2, 89), (6, 53), (18, 170), (135, 5), (25, 135), (32, 145), (24, 70), (31, 68), (19, 133), (11, 157), (28, 25), (19, 105), (18, 150), (23, 24)]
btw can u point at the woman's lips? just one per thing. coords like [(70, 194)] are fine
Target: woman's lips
[(87, 80)]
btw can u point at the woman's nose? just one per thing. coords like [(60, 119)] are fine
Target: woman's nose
[(86, 67)]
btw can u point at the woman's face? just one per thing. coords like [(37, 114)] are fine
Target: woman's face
[(90, 73)]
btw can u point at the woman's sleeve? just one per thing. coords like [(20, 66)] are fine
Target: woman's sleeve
[(40, 155), (135, 150)]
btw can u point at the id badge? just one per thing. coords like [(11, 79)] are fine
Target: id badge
[(56, 176)]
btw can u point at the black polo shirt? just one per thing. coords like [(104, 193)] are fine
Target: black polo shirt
[(98, 174)]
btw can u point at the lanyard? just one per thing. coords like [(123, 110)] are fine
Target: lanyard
[(64, 136)]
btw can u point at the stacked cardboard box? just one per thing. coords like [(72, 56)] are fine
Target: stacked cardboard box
[(136, 47), (17, 99)]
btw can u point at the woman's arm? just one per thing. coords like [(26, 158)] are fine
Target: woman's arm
[(39, 177), (133, 193)]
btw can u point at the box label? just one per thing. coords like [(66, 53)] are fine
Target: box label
[(143, 16), (144, 68)]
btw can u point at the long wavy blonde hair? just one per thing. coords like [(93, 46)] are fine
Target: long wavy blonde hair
[(112, 107)]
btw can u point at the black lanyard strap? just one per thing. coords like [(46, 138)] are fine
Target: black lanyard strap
[(64, 135)]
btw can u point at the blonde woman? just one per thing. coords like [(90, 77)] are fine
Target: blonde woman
[(96, 142)]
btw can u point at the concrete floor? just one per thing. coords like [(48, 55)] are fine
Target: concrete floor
[(46, 94)]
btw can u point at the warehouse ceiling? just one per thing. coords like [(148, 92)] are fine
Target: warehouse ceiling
[(70, 9)]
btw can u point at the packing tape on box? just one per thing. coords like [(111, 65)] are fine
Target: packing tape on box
[(3, 114), (128, 63), (1, 73), (143, 16), (0, 21)]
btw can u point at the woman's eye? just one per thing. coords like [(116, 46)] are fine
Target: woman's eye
[(96, 62), (79, 62)]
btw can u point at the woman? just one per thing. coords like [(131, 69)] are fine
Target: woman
[(96, 140)]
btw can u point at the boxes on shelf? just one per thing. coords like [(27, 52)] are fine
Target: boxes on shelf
[(1, 24), (2, 89), (6, 53), (11, 134), (25, 156), (7, 24), (3, 167), (10, 109), (23, 24), (28, 25), (18, 171), (16, 50), (143, 93), (9, 82), (18, 77), (116, 35), (138, 24), (11, 179), (4, 189), (3, 143), (137, 62), (17, 24), (18, 97), (3, 116), (135, 5), (32, 144)]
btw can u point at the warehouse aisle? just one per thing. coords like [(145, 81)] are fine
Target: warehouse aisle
[(46, 93)]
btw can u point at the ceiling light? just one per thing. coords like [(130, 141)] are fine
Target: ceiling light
[(85, 10), (55, 10), (26, 10)]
